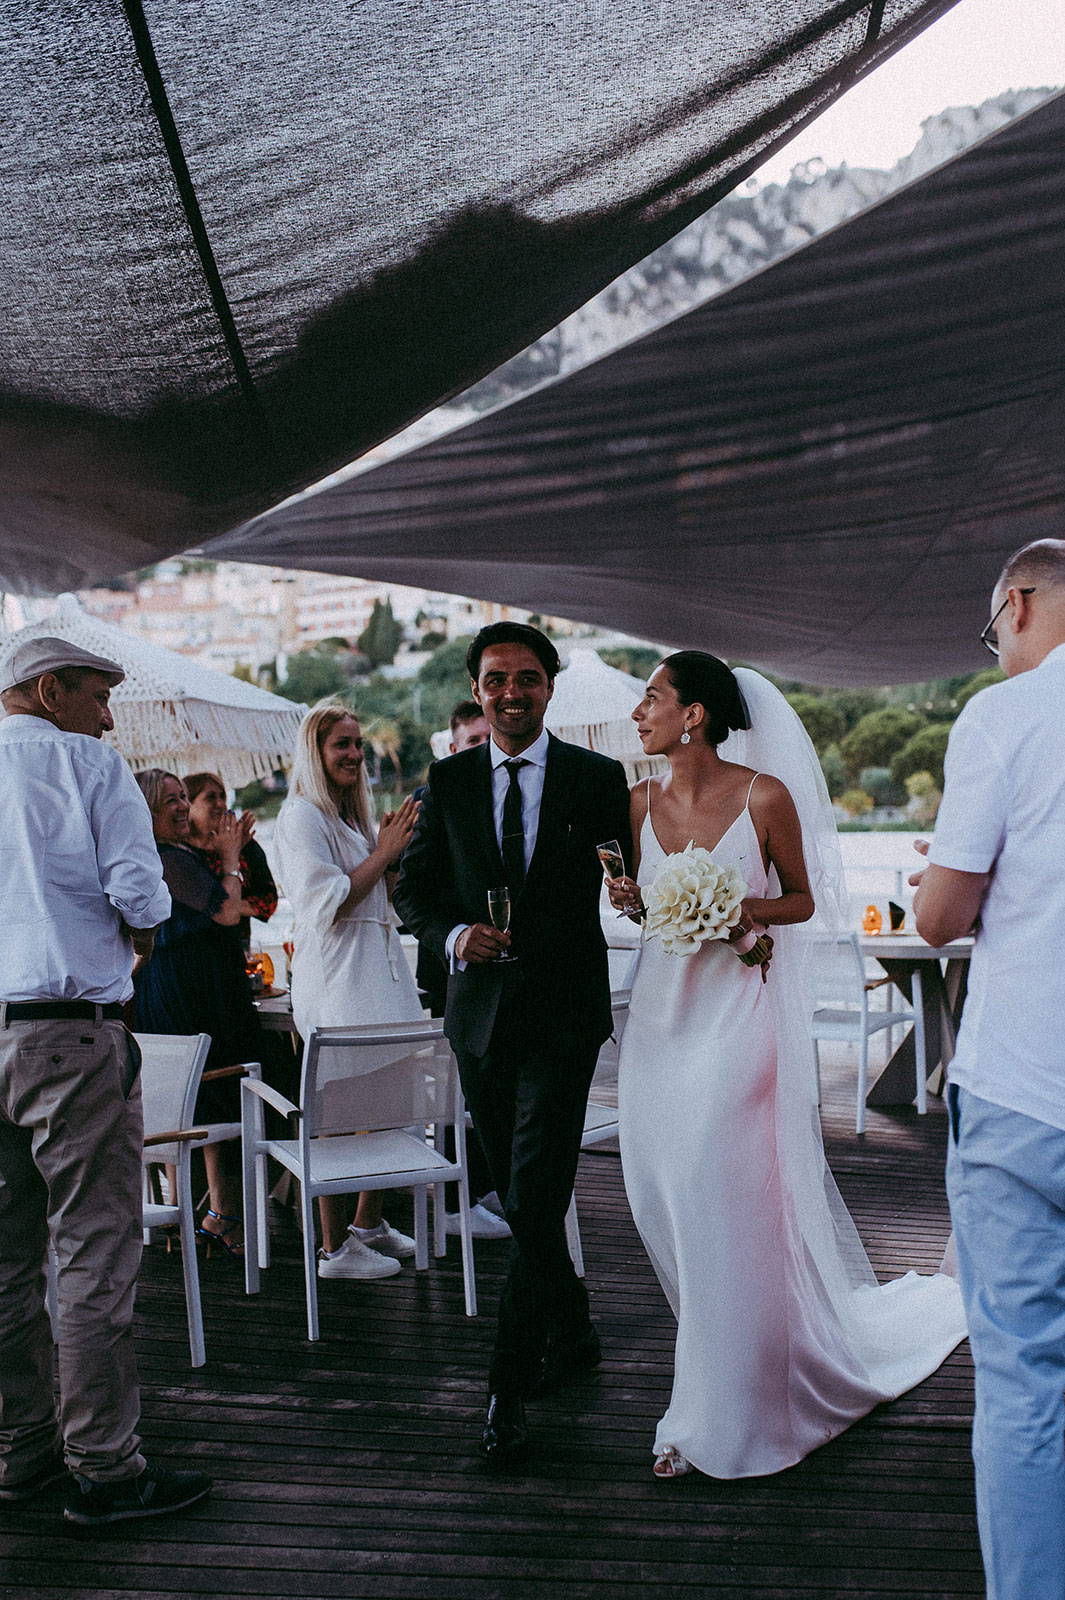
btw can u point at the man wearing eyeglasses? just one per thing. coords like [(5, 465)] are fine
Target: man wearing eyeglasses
[(999, 856)]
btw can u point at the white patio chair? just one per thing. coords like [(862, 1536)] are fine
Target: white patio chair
[(600, 1121), (398, 1085), (171, 1073), (842, 1011)]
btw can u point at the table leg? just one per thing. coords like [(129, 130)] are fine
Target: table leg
[(896, 1085)]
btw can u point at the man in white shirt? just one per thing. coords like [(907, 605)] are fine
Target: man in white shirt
[(81, 888), (999, 855)]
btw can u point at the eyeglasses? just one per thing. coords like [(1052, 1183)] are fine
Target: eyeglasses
[(989, 637)]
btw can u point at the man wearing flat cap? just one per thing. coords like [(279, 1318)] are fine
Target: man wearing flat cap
[(81, 889)]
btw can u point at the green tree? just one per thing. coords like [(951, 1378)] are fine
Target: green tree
[(313, 675), (878, 737), (878, 782), (638, 660), (978, 681), (925, 798), (834, 770), (823, 721), (447, 665), (380, 639), (856, 803), (853, 704), (923, 753)]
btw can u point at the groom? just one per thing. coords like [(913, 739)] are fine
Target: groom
[(525, 811)]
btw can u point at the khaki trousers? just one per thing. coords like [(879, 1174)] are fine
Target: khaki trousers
[(71, 1135)]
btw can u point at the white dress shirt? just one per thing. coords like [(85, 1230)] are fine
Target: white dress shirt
[(77, 860), (531, 783), (1003, 812)]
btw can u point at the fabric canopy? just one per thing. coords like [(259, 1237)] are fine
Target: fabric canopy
[(820, 470), (171, 712), (246, 241)]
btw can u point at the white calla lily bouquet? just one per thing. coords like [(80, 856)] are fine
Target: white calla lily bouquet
[(694, 898)]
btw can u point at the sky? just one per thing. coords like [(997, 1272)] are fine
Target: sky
[(979, 49)]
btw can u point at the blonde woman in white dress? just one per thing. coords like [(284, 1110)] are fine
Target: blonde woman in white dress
[(783, 1336), (348, 967)]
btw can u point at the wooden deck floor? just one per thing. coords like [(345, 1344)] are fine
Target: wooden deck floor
[(349, 1469)]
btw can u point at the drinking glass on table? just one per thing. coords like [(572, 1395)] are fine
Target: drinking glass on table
[(499, 916), (613, 864)]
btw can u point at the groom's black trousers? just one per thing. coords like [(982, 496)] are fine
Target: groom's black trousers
[(527, 1098)]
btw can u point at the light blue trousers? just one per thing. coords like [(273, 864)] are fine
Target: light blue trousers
[(1006, 1183)]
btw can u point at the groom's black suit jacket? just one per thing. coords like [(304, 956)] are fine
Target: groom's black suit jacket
[(454, 859)]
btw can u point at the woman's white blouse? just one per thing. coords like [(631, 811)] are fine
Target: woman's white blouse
[(349, 967)]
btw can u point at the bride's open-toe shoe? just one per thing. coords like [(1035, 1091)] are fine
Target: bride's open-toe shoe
[(671, 1464)]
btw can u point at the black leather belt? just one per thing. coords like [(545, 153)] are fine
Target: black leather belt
[(61, 1010)]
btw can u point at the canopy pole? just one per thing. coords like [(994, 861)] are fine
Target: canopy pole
[(153, 78)]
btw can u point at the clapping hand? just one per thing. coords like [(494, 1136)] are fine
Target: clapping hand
[(229, 841), (395, 830), (247, 826)]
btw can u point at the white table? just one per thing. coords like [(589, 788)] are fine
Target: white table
[(944, 976)]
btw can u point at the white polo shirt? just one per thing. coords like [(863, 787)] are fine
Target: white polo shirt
[(1003, 812)]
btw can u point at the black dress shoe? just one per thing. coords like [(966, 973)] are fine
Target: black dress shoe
[(505, 1434), (568, 1362)]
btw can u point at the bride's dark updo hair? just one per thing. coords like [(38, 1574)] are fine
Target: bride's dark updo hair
[(700, 677)]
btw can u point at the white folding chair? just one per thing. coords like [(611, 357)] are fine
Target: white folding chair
[(171, 1074), (842, 1011), (600, 1121), (372, 1101)]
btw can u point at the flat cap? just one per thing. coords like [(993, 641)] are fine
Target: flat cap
[(35, 656)]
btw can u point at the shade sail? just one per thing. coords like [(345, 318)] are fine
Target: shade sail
[(821, 470), (244, 242), (172, 712)]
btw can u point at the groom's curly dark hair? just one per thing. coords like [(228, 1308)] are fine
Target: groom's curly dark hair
[(513, 633)]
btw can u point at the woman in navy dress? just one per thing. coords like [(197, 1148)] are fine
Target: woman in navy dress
[(195, 981)]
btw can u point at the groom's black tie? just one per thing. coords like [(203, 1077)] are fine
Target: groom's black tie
[(513, 841)]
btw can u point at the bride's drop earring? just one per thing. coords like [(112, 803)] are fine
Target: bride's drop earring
[(685, 737)]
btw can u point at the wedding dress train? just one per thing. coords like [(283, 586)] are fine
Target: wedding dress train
[(783, 1336)]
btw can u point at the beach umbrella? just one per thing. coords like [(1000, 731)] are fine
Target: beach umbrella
[(172, 712), (592, 706)]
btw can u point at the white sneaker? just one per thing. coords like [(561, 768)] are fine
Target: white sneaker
[(355, 1260), (484, 1224), (491, 1202), (386, 1241)]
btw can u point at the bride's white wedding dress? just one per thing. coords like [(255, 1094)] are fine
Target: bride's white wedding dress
[(783, 1337)]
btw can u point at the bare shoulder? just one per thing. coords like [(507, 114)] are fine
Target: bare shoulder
[(638, 799), (770, 798)]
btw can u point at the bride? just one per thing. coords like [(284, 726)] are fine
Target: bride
[(783, 1336)]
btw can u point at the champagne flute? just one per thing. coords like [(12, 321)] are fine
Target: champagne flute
[(499, 916), (613, 863)]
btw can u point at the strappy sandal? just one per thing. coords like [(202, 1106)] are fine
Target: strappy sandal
[(234, 1249), (671, 1464)]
